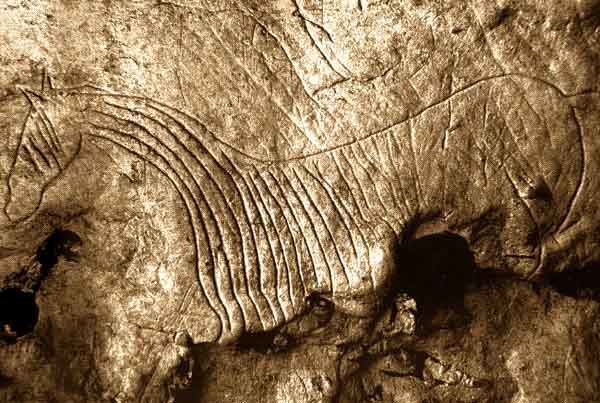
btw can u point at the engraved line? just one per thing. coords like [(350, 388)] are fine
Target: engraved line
[(320, 216), (289, 226), (268, 192), (229, 212), (32, 158), (276, 311), (350, 191), (51, 130), (311, 227), (39, 130), (300, 232), (388, 142), (225, 319), (216, 138), (319, 180), (255, 265), (276, 305)]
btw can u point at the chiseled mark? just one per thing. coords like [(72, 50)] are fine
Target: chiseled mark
[(566, 221), (329, 56), (217, 183), (287, 109), (48, 143)]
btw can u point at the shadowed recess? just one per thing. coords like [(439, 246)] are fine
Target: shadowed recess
[(318, 314), (435, 270), (18, 309), (59, 243), (4, 381), (18, 313), (577, 282)]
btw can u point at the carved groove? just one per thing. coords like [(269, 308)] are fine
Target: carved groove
[(260, 227)]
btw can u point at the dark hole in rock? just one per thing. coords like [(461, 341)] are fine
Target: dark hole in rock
[(501, 16), (4, 381), (18, 313), (419, 359), (377, 394), (18, 309), (578, 283), (319, 312), (320, 308), (59, 243), (273, 341), (436, 270)]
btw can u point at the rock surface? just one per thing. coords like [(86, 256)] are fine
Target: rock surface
[(299, 201)]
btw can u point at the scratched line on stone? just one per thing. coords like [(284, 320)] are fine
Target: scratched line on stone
[(261, 224)]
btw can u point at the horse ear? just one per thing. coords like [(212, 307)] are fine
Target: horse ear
[(34, 98), (48, 143), (47, 82)]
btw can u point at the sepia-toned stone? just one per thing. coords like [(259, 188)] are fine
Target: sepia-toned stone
[(299, 201)]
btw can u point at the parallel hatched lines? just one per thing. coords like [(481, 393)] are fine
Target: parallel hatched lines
[(284, 235), (281, 286), (354, 202), (496, 145), (318, 254), (399, 160), (393, 178), (338, 266), (416, 164), (346, 205), (351, 169), (28, 154), (360, 252), (241, 288), (350, 192), (503, 137), (382, 181), (39, 145), (319, 180), (384, 164), (193, 209), (307, 271), (50, 149), (330, 216), (219, 290), (408, 211), (31, 152), (267, 260), (39, 154), (344, 165), (51, 131), (522, 162), (251, 255)]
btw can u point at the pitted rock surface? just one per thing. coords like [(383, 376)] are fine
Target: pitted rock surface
[(336, 201)]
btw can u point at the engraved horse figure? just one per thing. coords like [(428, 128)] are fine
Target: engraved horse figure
[(504, 153)]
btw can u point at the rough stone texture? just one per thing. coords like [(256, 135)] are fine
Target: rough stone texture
[(299, 201)]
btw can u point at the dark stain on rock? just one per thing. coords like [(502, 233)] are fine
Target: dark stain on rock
[(4, 381), (500, 17), (539, 190), (61, 243)]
